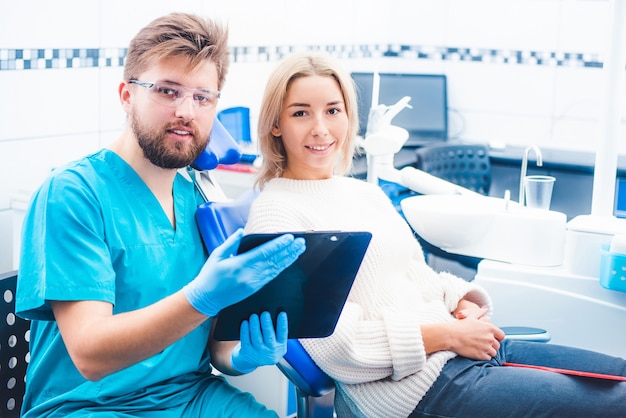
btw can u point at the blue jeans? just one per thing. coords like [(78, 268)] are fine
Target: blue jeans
[(471, 388)]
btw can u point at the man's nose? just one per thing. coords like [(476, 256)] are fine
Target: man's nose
[(186, 109)]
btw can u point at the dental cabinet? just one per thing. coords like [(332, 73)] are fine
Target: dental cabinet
[(576, 310), (537, 281)]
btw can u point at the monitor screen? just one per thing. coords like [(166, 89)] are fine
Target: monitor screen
[(620, 198), (363, 84), (426, 121)]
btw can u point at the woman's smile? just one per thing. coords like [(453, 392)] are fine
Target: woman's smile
[(321, 147)]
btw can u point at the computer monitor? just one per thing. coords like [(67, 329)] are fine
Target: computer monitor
[(620, 198), (426, 120), (364, 85)]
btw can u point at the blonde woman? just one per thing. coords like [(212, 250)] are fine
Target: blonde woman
[(410, 341)]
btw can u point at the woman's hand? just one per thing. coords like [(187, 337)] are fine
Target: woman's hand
[(472, 335), (466, 309), (475, 338)]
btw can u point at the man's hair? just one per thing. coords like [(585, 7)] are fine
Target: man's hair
[(179, 35), (293, 67)]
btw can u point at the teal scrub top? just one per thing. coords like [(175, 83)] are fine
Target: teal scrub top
[(94, 231)]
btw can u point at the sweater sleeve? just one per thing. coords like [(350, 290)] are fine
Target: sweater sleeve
[(362, 350), (456, 288), (378, 335)]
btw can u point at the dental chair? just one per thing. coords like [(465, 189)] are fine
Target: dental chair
[(217, 219), (315, 391), (236, 120)]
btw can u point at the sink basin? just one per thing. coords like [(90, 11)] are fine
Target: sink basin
[(488, 227)]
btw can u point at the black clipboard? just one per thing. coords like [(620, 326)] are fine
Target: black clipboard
[(313, 290)]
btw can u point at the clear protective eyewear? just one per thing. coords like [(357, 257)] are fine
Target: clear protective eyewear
[(172, 95)]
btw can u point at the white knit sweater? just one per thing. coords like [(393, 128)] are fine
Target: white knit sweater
[(376, 354)]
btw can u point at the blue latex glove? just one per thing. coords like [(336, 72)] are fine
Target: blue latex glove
[(226, 278), (258, 344)]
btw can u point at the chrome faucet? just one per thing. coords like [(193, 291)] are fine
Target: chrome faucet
[(525, 167)]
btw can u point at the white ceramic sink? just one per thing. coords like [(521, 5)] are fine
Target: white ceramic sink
[(488, 227)]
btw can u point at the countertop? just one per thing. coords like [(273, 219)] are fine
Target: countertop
[(570, 160), (573, 160)]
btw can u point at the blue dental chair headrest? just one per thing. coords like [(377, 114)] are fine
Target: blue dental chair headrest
[(221, 149)]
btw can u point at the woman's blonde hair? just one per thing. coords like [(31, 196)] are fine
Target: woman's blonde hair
[(295, 66)]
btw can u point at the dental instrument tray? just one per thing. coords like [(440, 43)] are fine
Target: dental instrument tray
[(312, 291)]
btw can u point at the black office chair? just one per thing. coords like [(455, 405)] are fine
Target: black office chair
[(14, 349), (466, 165)]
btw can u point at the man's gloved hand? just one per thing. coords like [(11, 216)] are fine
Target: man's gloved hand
[(226, 278), (258, 344)]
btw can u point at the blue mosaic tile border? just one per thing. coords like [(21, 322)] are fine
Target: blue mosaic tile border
[(38, 59)]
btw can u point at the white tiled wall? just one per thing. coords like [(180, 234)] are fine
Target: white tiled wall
[(519, 71)]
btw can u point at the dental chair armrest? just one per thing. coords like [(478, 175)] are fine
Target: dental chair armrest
[(302, 371), (526, 334)]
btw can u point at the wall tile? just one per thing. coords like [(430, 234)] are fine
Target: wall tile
[(118, 23), (425, 22), (503, 24), (578, 93), (49, 102), (25, 163), (111, 115), (49, 24), (584, 26), (577, 134), (524, 90), (505, 128)]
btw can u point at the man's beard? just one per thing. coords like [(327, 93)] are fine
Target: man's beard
[(167, 154)]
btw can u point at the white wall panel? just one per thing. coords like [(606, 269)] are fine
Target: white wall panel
[(423, 22), (49, 24), (583, 26), (502, 24), (111, 114), (120, 21), (24, 164), (513, 89), (505, 128), (49, 102)]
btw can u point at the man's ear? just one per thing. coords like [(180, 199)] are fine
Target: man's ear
[(124, 93)]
